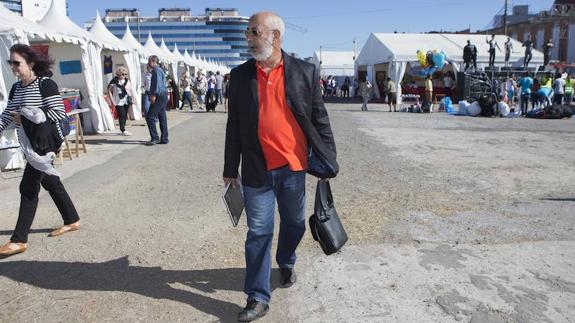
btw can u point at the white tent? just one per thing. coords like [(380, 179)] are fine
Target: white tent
[(392, 53), (152, 48), (172, 59), (89, 81), (191, 62), (181, 62), (121, 55), (131, 41), (334, 63)]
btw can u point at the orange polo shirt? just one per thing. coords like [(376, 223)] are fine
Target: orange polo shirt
[(282, 140)]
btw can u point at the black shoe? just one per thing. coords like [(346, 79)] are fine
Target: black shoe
[(288, 277), (151, 143), (253, 311), (164, 142)]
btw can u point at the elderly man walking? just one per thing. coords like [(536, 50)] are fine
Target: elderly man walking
[(276, 115), (158, 100)]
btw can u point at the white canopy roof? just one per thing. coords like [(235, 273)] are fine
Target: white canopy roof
[(334, 63), (66, 27), (188, 59), (167, 53), (152, 48), (178, 55), (389, 47), (11, 22), (103, 35), (131, 41)]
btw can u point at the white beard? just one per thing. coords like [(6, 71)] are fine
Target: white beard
[(267, 49)]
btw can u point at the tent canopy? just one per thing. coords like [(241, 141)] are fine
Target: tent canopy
[(152, 47), (390, 47), (66, 27), (104, 36), (131, 41), (334, 63)]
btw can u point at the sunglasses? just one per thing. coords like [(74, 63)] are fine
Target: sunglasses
[(254, 32), (13, 63)]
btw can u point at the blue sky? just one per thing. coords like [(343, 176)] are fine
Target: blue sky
[(334, 24)]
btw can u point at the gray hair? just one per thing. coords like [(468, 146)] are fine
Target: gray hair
[(275, 22)]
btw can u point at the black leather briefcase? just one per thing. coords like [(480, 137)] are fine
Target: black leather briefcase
[(325, 224)]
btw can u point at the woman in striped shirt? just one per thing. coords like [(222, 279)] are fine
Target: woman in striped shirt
[(35, 89)]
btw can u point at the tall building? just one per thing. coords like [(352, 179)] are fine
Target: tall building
[(557, 23), (217, 34)]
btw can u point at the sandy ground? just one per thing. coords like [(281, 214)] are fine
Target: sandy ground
[(450, 219)]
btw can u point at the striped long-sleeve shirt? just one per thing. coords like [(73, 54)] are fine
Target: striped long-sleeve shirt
[(42, 93)]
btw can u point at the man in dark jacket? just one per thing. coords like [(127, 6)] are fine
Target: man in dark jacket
[(470, 55), (276, 117)]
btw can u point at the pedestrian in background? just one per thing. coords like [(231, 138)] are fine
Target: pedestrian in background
[(158, 102), (211, 100), (365, 89), (122, 96), (526, 82), (147, 80), (569, 86), (391, 90), (219, 87), (34, 101), (429, 90), (345, 87), (186, 85), (200, 88), (272, 141), (558, 89)]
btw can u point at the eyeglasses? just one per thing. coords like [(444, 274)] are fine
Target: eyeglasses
[(124, 74), (254, 32), (13, 63)]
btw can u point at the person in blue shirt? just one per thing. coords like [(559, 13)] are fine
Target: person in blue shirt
[(526, 82), (158, 99)]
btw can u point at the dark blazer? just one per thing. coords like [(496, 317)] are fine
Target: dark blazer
[(303, 95)]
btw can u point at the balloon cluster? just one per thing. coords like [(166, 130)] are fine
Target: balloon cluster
[(429, 62)]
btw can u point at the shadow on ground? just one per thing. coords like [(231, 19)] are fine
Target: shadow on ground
[(9, 232), (119, 276)]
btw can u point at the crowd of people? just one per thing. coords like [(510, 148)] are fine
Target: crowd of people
[(537, 91)]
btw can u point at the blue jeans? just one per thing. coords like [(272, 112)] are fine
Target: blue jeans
[(288, 188), (187, 97), (525, 102), (146, 103), (219, 97), (158, 112)]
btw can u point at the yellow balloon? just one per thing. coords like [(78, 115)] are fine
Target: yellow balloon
[(422, 58)]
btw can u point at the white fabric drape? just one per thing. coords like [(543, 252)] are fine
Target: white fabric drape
[(371, 78), (133, 61), (100, 117), (396, 73), (11, 158)]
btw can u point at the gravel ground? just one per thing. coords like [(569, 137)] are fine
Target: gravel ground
[(449, 218)]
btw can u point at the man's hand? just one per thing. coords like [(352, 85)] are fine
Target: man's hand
[(228, 180), (152, 99), (16, 117)]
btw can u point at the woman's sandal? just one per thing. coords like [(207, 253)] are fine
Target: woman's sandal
[(65, 229), (12, 248)]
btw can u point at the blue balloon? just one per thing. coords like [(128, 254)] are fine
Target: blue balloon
[(439, 59)]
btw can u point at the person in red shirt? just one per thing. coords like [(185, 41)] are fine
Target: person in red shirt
[(276, 118)]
